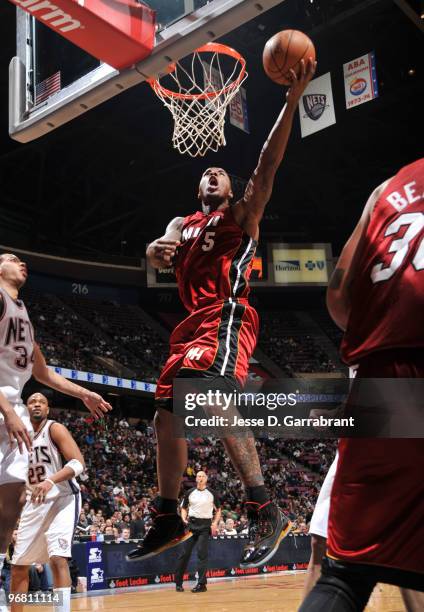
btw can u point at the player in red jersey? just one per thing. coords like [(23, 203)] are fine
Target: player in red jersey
[(213, 251), (377, 503)]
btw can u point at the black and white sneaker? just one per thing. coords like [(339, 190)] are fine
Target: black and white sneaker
[(168, 530), (268, 526)]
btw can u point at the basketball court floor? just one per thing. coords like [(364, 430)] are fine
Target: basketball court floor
[(274, 593)]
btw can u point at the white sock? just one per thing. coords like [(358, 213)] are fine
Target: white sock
[(65, 599), (2, 558)]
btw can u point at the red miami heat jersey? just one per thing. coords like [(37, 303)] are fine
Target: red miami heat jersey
[(388, 293), (214, 260)]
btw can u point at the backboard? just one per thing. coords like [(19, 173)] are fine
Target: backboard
[(51, 81)]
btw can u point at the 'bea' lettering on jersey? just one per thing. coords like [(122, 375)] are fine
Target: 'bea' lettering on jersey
[(406, 195)]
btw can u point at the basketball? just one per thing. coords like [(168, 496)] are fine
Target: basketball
[(284, 51)]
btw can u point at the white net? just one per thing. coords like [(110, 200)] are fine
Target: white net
[(198, 92)]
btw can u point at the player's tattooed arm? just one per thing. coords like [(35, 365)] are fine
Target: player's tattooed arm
[(161, 252), (249, 210)]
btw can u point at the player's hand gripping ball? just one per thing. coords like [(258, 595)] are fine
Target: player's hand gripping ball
[(284, 52)]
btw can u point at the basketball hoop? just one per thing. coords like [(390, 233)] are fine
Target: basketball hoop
[(203, 85)]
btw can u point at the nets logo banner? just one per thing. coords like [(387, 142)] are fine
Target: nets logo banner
[(360, 80), (316, 107), (300, 266)]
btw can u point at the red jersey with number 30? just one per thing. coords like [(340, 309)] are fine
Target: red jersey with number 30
[(214, 260), (387, 308)]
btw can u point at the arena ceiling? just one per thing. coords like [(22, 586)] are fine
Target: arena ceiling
[(108, 182)]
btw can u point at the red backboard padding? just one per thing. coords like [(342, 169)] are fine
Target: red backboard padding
[(118, 32)]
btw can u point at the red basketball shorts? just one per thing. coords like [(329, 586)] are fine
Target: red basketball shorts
[(216, 340), (377, 500)]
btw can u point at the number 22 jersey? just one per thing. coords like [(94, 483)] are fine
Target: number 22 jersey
[(387, 295), (45, 459)]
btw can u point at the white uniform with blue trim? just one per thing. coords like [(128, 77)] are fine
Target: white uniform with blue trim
[(16, 360), (47, 529)]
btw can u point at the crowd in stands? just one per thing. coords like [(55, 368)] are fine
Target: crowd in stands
[(91, 335), (120, 480), (125, 325), (285, 342), (67, 340)]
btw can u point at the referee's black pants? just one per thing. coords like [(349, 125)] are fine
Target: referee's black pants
[(200, 529)]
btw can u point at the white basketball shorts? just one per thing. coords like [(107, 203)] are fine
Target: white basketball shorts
[(13, 464), (319, 521), (46, 530)]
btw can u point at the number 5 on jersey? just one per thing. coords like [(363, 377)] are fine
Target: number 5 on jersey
[(209, 241)]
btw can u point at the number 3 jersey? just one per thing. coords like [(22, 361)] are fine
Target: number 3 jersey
[(45, 459), (16, 347), (387, 295), (214, 260)]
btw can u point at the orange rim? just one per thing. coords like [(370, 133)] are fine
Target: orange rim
[(208, 48)]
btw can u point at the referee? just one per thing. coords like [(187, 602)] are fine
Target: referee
[(197, 510)]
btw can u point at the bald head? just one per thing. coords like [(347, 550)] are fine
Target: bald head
[(201, 480)]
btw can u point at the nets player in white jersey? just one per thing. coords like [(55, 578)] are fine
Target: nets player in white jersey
[(20, 356), (51, 512)]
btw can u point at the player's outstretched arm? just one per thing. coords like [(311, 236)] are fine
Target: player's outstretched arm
[(75, 465), (161, 251), (93, 401), (249, 210), (339, 287)]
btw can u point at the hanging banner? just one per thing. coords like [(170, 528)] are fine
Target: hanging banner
[(316, 106), (238, 106), (238, 111), (360, 79)]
